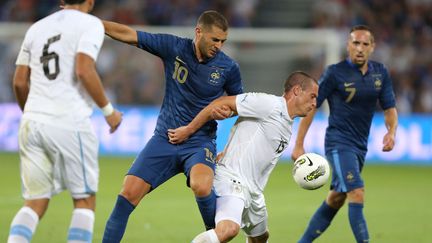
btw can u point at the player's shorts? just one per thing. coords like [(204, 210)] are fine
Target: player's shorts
[(235, 202), (55, 159), (346, 166), (161, 160)]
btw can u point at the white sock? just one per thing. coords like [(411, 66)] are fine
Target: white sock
[(208, 236), (23, 226), (81, 227)]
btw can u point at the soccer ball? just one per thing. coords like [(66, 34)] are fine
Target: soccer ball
[(311, 171)]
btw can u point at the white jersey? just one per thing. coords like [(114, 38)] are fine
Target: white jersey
[(257, 140), (50, 47)]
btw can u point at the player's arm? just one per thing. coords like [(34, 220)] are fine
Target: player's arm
[(21, 84), (180, 134), (85, 69), (120, 32), (391, 122), (301, 134)]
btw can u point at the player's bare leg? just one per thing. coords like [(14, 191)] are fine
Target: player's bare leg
[(134, 189)]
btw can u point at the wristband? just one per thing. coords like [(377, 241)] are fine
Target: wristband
[(108, 109)]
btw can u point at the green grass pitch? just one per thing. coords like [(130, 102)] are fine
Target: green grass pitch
[(398, 206)]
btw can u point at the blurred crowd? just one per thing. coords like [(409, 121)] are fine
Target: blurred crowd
[(403, 31)]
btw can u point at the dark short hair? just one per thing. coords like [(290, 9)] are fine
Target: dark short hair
[(299, 78), (365, 28), (74, 1), (213, 18)]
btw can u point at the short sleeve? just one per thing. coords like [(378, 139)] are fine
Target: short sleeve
[(258, 105), (160, 45), (387, 97), (326, 86), (24, 53), (234, 84), (91, 40)]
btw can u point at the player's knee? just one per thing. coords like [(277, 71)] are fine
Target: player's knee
[(336, 200), (356, 195), (88, 202), (200, 189), (227, 231)]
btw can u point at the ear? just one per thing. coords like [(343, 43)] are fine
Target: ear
[(297, 90)]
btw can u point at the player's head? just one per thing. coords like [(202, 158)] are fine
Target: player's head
[(301, 91), (89, 4), (361, 44), (210, 34)]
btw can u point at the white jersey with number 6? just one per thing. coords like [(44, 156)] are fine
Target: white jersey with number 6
[(50, 47)]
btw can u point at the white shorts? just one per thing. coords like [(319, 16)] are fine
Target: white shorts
[(236, 203), (55, 159)]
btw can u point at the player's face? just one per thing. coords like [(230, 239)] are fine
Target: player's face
[(307, 100), (360, 46), (210, 41)]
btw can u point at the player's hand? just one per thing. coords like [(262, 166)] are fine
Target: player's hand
[(219, 156), (388, 142), (178, 135), (114, 120), (222, 112), (297, 151)]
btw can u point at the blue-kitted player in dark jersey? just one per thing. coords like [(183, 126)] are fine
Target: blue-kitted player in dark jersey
[(352, 88), (196, 73)]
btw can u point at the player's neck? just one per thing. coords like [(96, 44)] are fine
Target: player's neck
[(289, 100), (79, 7)]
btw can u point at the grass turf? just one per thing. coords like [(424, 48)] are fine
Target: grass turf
[(398, 206)]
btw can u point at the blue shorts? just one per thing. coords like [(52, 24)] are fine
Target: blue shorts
[(346, 166), (161, 160)]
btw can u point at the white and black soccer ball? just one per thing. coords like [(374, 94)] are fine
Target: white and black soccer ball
[(311, 171)]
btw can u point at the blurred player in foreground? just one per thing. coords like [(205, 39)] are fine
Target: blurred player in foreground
[(352, 87), (257, 140), (55, 81), (196, 73)]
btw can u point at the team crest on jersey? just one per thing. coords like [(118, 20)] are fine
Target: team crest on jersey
[(378, 84), (215, 77)]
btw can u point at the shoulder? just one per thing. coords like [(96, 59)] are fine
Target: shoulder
[(377, 66), (226, 60)]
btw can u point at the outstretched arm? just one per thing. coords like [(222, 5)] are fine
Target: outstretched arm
[(180, 134), (301, 134), (120, 32), (391, 122)]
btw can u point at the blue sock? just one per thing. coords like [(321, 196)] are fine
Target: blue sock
[(207, 207), (318, 223), (117, 221), (358, 222)]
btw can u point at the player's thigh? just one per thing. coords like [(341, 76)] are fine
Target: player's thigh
[(230, 208), (347, 167), (157, 162), (76, 160), (36, 167), (199, 152)]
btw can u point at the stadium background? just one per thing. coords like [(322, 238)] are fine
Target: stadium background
[(269, 38)]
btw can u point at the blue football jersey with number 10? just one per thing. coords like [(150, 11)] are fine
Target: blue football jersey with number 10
[(190, 85)]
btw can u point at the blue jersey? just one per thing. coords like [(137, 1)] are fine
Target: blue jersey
[(190, 85), (352, 99)]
